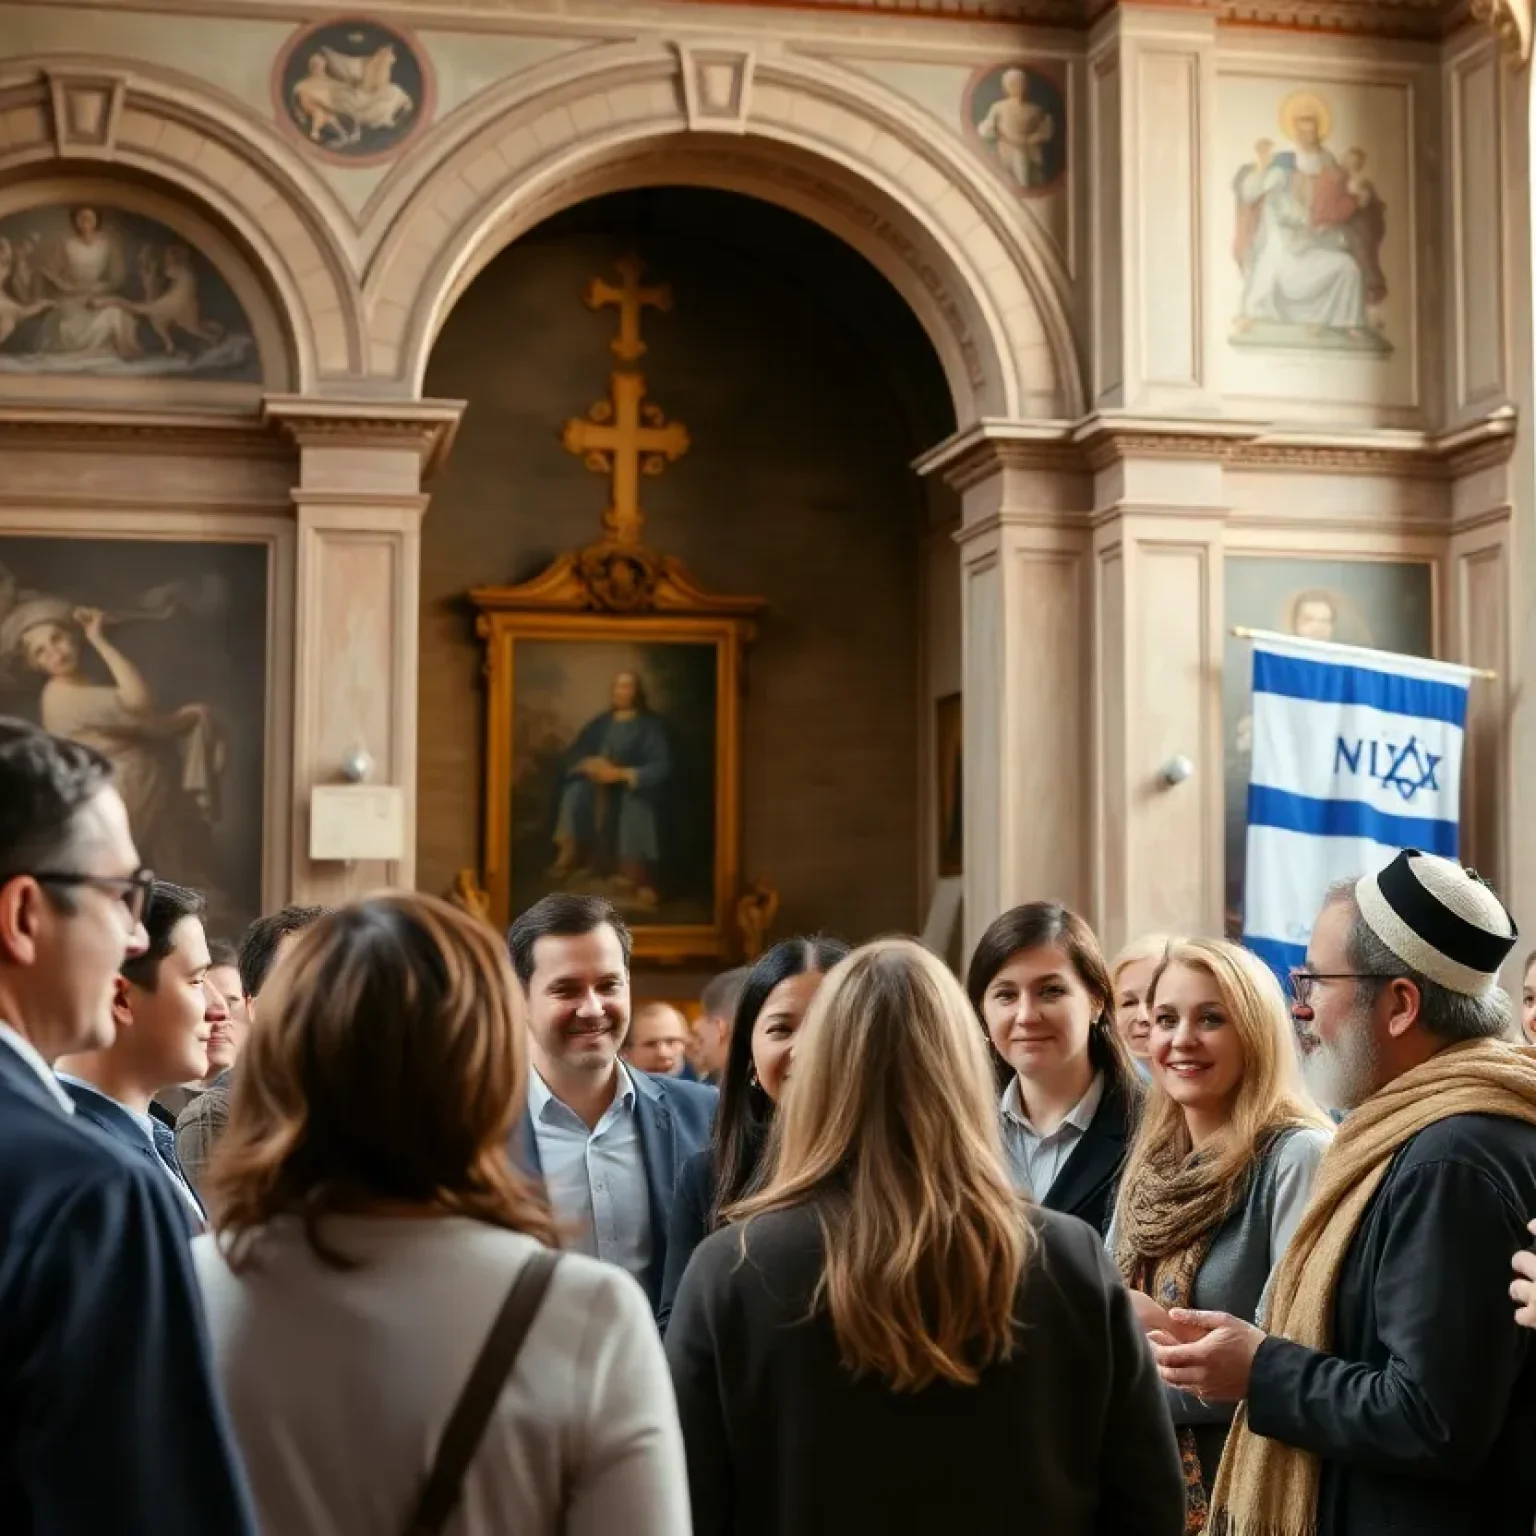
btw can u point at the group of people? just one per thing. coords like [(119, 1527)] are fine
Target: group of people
[(1066, 1246)]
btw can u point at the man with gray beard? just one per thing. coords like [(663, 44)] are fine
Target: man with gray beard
[(1389, 1390)]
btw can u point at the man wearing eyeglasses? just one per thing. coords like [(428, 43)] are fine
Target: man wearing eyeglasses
[(111, 1422), (1389, 1389)]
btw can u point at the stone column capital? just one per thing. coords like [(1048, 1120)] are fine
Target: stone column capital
[(425, 428)]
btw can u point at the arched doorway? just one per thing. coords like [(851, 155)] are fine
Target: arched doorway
[(806, 387)]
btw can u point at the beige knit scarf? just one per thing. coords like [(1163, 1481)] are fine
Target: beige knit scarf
[(1265, 1488)]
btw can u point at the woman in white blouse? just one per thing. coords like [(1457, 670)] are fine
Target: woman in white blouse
[(368, 1227)]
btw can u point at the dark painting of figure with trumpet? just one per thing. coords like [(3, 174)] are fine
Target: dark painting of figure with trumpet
[(153, 653)]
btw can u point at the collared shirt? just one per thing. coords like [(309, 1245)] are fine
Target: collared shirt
[(146, 1124), (596, 1179), (1037, 1160), (24, 1048)]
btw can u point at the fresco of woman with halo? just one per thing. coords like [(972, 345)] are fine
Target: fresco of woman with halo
[(168, 763), (84, 289)]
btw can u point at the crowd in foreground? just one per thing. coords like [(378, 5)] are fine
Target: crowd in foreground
[(371, 1228)]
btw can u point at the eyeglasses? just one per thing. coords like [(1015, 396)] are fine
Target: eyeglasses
[(133, 889), (1302, 981)]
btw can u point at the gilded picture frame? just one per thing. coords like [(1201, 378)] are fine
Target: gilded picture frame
[(547, 717)]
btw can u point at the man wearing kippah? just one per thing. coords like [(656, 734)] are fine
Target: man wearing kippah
[(1390, 1390)]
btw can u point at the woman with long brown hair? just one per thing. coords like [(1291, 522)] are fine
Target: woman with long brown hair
[(371, 1236), (889, 1336), (1070, 1091), (1221, 1167)]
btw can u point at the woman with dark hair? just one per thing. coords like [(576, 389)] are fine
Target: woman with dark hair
[(1042, 991), (774, 999), (373, 1242)]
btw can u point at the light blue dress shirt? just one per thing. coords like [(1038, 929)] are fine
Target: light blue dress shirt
[(1036, 1160), (596, 1179)]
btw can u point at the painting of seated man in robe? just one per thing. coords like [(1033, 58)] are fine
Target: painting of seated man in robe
[(613, 787), (154, 653), (91, 289), (1310, 226), (1387, 605)]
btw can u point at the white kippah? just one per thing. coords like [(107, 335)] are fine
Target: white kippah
[(1439, 919)]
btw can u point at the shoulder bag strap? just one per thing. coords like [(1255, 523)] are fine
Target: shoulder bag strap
[(472, 1413)]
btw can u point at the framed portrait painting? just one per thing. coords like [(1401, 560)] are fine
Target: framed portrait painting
[(154, 651), (612, 768), (1388, 605)]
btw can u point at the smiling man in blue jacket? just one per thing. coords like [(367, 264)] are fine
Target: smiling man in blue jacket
[(607, 1139)]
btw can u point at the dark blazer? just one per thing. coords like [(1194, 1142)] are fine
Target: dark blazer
[(111, 1119), (692, 1202), (1423, 1411), (783, 1441), (675, 1120), (1086, 1185), (109, 1419)]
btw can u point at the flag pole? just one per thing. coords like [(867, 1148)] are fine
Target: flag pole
[(1243, 632)]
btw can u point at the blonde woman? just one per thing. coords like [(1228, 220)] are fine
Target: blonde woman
[(889, 1337), (1221, 1167), (1131, 975), (370, 1229)]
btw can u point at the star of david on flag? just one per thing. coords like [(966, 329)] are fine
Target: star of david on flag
[(1356, 754)]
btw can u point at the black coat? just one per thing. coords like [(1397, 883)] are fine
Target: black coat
[(1425, 1411), (109, 1418), (782, 1441), (693, 1202), (1089, 1179)]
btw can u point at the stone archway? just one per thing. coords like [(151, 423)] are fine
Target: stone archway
[(79, 116), (812, 138)]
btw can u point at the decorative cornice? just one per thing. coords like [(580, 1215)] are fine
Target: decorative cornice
[(55, 428), (428, 426), (1098, 442)]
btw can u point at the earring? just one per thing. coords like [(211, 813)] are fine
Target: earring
[(752, 1081)]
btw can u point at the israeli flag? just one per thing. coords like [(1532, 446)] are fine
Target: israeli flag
[(1356, 755)]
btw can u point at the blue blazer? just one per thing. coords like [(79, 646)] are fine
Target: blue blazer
[(111, 1119), (109, 1417), (675, 1119)]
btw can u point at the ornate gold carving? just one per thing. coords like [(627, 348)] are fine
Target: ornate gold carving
[(630, 297), (86, 109), (624, 437), (1510, 21), (469, 896), (755, 912)]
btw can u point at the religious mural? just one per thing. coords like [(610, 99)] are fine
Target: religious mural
[(1388, 605), (153, 651), (613, 775), (354, 90), (91, 289), (1017, 113), (1310, 222)]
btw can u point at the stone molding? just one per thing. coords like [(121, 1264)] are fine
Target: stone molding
[(1097, 442), (427, 426)]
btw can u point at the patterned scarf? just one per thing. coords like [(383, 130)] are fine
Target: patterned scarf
[(1164, 1230), (1266, 1488)]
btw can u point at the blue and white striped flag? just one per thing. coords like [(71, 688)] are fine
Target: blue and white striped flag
[(1356, 754)]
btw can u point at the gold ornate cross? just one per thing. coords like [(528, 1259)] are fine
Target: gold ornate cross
[(625, 436), (630, 298)]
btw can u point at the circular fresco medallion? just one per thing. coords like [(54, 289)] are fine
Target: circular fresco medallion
[(353, 89), (1016, 115)]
